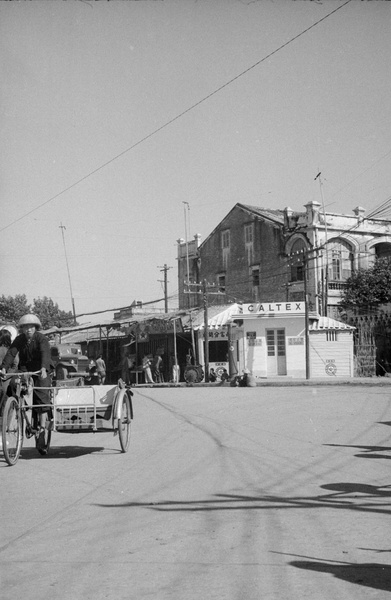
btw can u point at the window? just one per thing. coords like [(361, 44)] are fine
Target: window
[(225, 239), (248, 233), (221, 283), (339, 258), (249, 242), (271, 350), (225, 243), (255, 277), (331, 336), (297, 260)]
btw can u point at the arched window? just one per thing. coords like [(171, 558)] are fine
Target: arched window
[(297, 260), (339, 260), (383, 250)]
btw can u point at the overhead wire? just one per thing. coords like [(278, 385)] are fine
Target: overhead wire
[(178, 116)]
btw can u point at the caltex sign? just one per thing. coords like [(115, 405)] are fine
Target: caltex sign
[(274, 308)]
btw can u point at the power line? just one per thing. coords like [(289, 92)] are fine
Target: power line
[(178, 116)]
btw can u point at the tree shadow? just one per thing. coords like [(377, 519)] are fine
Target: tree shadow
[(346, 496), (367, 451), (373, 575), (345, 489)]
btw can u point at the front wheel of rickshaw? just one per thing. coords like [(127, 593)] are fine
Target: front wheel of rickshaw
[(12, 431), (124, 423)]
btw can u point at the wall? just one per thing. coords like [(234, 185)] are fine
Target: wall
[(331, 358), (268, 256), (254, 352)]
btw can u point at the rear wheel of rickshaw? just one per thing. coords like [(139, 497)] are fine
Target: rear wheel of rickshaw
[(12, 431), (124, 423)]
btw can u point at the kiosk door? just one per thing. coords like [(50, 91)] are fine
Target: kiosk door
[(276, 352)]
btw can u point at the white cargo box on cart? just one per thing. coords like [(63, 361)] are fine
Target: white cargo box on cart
[(85, 407)]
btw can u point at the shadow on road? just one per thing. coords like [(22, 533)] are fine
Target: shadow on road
[(366, 451), (346, 496), (373, 575), (59, 452)]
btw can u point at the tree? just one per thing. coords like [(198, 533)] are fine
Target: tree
[(12, 308), (49, 313), (368, 288)]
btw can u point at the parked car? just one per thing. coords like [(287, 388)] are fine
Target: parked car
[(68, 358)]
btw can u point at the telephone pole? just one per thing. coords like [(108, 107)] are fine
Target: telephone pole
[(302, 258), (164, 270), (62, 227), (325, 278), (203, 289)]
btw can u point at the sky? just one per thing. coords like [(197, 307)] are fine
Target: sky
[(114, 114)]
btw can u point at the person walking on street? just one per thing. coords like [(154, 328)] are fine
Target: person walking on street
[(156, 368), (147, 369), (101, 368)]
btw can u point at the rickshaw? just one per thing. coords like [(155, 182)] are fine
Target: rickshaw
[(74, 408)]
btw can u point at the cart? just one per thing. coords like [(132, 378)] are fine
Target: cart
[(193, 373), (73, 409)]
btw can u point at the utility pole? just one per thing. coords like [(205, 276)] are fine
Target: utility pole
[(206, 329), (62, 227), (306, 320), (302, 257), (203, 289), (164, 270), (325, 278)]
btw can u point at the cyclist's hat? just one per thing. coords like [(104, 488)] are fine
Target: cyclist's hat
[(30, 320)]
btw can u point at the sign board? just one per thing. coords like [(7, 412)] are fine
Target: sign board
[(274, 308)]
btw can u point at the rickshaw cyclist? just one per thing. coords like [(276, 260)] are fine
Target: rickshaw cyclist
[(34, 355)]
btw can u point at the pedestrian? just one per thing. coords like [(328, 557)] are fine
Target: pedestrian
[(212, 376), (224, 376), (127, 364), (5, 343), (146, 365), (175, 369), (157, 364), (101, 368), (93, 377)]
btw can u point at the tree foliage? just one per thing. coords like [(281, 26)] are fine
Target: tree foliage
[(368, 288), (12, 308), (48, 312)]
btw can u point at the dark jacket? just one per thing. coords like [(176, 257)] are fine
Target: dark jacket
[(32, 357)]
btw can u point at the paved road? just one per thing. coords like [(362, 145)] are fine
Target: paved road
[(237, 494)]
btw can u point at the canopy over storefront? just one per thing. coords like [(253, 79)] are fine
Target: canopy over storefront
[(111, 329), (324, 323), (218, 316)]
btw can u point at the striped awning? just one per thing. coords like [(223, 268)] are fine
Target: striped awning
[(218, 316)]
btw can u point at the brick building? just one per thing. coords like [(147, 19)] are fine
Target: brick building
[(257, 254)]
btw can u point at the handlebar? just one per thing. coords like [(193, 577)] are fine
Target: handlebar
[(18, 374)]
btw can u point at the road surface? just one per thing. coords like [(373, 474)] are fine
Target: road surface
[(225, 493)]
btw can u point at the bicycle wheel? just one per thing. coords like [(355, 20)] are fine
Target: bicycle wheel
[(124, 424), (12, 431)]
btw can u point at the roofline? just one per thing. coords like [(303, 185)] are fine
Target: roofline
[(247, 209)]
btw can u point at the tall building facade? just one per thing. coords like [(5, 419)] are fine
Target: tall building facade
[(256, 254)]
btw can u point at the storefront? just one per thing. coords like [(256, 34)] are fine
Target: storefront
[(272, 340), (222, 339)]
